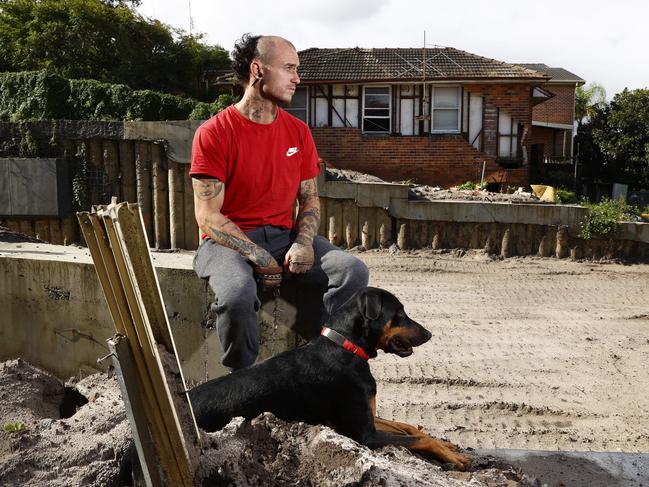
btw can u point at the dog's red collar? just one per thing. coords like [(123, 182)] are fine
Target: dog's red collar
[(336, 337)]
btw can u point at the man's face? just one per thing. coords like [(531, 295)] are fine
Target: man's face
[(280, 78)]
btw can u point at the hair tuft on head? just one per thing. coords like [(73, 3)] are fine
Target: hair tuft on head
[(245, 50)]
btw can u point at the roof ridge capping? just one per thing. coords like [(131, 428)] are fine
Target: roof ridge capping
[(504, 63)]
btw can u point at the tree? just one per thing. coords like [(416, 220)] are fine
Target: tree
[(103, 40), (587, 100), (623, 136)]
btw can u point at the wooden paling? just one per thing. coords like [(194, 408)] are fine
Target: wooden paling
[(116, 238)]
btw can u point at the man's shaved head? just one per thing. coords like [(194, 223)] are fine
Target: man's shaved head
[(249, 48), (266, 44)]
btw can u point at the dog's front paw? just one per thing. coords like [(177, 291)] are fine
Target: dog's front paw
[(446, 452)]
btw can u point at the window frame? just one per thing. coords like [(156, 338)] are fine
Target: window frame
[(457, 109), (388, 117), (289, 107)]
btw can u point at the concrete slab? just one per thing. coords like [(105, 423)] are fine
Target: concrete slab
[(340, 190), (484, 212), (380, 194), (578, 469), (54, 315), (177, 134)]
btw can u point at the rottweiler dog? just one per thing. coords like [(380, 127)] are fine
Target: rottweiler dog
[(328, 381)]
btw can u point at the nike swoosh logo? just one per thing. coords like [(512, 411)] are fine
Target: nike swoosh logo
[(292, 151)]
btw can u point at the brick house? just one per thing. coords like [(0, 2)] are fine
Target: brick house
[(553, 120), (435, 115)]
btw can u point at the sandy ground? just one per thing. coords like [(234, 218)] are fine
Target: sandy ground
[(526, 353)]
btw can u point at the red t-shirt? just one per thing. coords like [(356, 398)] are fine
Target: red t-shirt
[(261, 165)]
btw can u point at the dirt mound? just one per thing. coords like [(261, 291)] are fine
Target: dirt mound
[(93, 446), (268, 451), (88, 448), (10, 236), (347, 175)]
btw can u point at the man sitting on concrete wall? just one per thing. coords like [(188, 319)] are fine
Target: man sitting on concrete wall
[(249, 163)]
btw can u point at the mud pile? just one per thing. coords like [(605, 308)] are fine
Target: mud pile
[(77, 434)]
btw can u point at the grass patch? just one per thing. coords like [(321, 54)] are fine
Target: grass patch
[(14, 427)]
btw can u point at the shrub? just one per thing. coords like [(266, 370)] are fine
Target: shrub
[(603, 219), (566, 197), (203, 111), (468, 186), (43, 94)]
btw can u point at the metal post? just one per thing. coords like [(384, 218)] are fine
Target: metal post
[(122, 359)]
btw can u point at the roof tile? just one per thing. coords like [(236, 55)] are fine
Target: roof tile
[(357, 64)]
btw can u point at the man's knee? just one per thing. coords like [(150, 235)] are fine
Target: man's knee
[(360, 272), (236, 299), (354, 270)]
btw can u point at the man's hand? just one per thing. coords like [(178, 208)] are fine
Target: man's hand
[(299, 258)]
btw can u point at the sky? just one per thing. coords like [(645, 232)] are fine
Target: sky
[(606, 42)]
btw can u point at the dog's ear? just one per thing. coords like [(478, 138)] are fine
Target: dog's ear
[(371, 304)]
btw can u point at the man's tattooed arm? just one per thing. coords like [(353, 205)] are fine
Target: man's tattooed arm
[(300, 256), (309, 215), (208, 200)]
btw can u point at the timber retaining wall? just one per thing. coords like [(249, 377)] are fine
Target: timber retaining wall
[(148, 163)]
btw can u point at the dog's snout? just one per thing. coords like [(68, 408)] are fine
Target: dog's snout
[(427, 335), (422, 335)]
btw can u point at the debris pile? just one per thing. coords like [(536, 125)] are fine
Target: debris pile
[(435, 193)]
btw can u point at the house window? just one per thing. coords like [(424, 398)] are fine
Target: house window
[(445, 109), (376, 109), (507, 136), (298, 105)]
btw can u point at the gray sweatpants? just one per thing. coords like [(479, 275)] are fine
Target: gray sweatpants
[(335, 276)]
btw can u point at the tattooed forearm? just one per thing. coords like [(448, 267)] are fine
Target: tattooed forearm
[(248, 249), (309, 222), (309, 215), (207, 189), (308, 191)]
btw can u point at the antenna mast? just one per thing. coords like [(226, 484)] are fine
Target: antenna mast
[(191, 19)]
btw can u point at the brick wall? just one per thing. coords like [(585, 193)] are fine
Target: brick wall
[(515, 99), (552, 140), (439, 160), (560, 108)]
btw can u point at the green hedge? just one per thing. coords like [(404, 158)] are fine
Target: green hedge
[(37, 95)]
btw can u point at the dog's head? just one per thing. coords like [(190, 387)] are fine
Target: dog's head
[(380, 323)]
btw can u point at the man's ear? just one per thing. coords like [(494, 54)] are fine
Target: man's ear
[(370, 304), (255, 70)]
